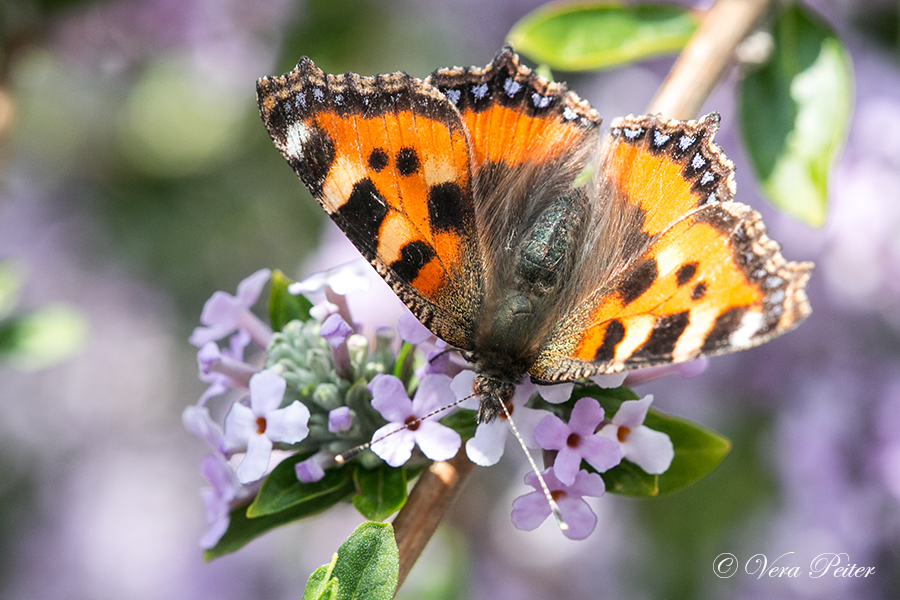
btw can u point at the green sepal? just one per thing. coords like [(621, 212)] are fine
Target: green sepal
[(283, 306), (380, 492), (795, 111), (601, 35)]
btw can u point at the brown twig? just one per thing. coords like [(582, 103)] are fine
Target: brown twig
[(425, 508), (706, 57), (681, 95)]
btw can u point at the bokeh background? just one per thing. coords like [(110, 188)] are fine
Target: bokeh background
[(136, 179)]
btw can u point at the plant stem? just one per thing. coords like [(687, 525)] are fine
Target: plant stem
[(681, 96), (426, 506), (706, 57)]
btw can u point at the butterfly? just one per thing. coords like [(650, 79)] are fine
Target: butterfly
[(516, 231)]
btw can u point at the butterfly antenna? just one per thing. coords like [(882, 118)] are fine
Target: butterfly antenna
[(554, 507), (355, 451)]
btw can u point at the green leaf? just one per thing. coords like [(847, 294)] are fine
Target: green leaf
[(381, 492), (282, 490), (320, 585), (285, 307), (242, 529), (403, 367), (698, 450), (795, 112), (11, 279), (368, 564), (600, 35), (44, 338), (462, 422), (628, 479)]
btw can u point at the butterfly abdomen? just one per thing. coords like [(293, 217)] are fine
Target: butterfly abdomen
[(535, 268)]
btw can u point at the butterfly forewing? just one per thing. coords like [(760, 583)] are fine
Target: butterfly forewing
[(388, 158)]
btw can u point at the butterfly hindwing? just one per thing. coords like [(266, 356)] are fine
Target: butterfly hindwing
[(388, 158), (706, 279)]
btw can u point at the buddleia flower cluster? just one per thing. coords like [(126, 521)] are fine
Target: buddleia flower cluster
[(320, 387)]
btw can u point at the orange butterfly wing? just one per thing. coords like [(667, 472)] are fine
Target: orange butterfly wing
[(388, 158), (703, 278), (514, 116)]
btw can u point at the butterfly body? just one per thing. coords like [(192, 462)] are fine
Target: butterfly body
[(489, 201)]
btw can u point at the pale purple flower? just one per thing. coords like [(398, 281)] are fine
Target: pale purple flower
[(486, 448), (321, 311), (532, 509), (312, 469), (224, 369), (438, 359), (436, 441), (577, 441), (649, 449), (443, 360), (261, 424), (335, 330), (197, 420), (218, 498), (354, 276), (685, 370), (224, 314), (339, 419), (561, 392), (411, 329)]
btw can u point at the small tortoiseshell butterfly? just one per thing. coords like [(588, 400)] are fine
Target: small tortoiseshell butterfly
[(490, 202)]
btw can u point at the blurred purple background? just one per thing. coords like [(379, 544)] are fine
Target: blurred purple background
[(137, 179)]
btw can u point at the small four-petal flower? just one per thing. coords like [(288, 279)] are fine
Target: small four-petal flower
[(577, 440), (530, 510), (224, 314), (258, 426), (649, 449), (486, 447), (403, 432)]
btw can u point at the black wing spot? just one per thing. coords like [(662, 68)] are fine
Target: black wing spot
[(615, 333), (699, 291), (378, 160), (685, 273), (314, 161), (639, 279), (413, 257), (445, 207), (726, 324), (663, 338), (364, 211), (407, 161)]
